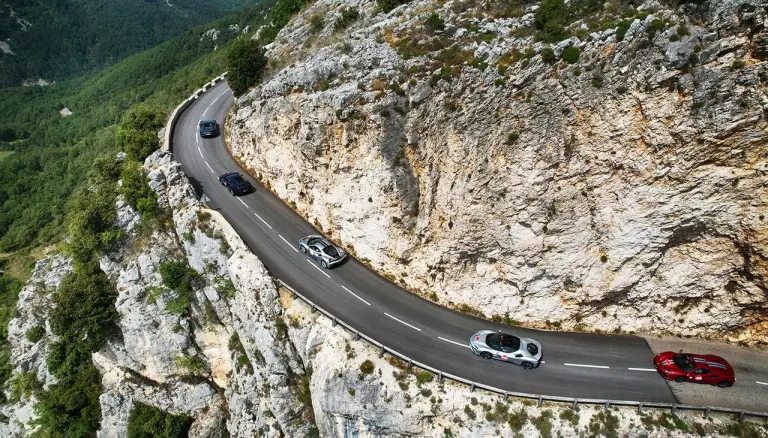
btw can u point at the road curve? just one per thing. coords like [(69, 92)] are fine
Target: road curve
[(579, 365)]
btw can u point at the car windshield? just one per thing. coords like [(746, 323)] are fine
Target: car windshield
[(501, 341), (684, 361)]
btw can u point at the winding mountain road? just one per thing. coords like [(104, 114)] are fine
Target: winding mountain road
[(577, 365)]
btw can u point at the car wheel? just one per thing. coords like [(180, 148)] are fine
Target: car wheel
[(323, 264), (302, 249), (527, 365), (230, 190), (486, 355), (724, 384), (680, 379)]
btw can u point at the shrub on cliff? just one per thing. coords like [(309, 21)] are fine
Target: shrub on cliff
[(150, 422), (246, 64), (348, 16), (137, 133), (136, 190), (550, 20), (388, 5)]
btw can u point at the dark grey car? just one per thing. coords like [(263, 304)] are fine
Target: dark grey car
[(322, 250), (489, 344)]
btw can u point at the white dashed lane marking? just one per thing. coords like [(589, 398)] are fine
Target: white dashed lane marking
[(289, 243), (453, 342), (201, 151), (641, 369), (265, 222), (761, 383), (402, 322), (197, 140), (586, 366), (241, 201), (209, 167), (315, 266), (366, 302)]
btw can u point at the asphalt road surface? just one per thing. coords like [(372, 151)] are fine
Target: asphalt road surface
[(575, 364)]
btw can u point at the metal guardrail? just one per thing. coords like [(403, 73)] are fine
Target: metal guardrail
[(540, 398), (179, 110)]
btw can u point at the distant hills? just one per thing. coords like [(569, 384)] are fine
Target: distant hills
[(56, 39)]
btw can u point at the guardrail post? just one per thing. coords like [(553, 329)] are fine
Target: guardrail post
[(607, 405), (410, 364), (674, 408), (541, 400), (314, 308), (506, 396), (575, 402), (334, 322), (640, 408), (741, 416), (472, 387), (381, 352), (439, 377), (706, 413), (357, 335)]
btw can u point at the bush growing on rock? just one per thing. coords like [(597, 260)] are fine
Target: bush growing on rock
[(434, 22), (246, 63), (366, 367), (348, 16), (147, 421), (194, 365), (136, 190), (548, 55), (388, 5), (35, 333), (571, 55), (316, 23), (550, 20)]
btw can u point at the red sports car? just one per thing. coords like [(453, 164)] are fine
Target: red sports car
[(696, 368)]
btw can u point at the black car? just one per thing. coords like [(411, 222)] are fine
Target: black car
[(209, 128), (235, 183)]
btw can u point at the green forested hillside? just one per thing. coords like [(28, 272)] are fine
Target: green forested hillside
[(57, 39), (51, 153)]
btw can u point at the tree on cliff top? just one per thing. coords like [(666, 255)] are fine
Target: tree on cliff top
[(246, 64)]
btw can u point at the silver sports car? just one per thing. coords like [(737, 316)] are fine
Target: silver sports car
[(489, 344), (322, 250)]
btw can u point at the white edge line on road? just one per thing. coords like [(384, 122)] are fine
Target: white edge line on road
[(453, 342), (265, 222), (197, 138), (366, 302), (315, 266), (641, 369), (760, 383), (241, 201), (402, 322), (201, 151), (289, 244), (209, 167), (586, 366)]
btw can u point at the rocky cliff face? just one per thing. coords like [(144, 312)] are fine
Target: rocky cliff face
[(624, 189)]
